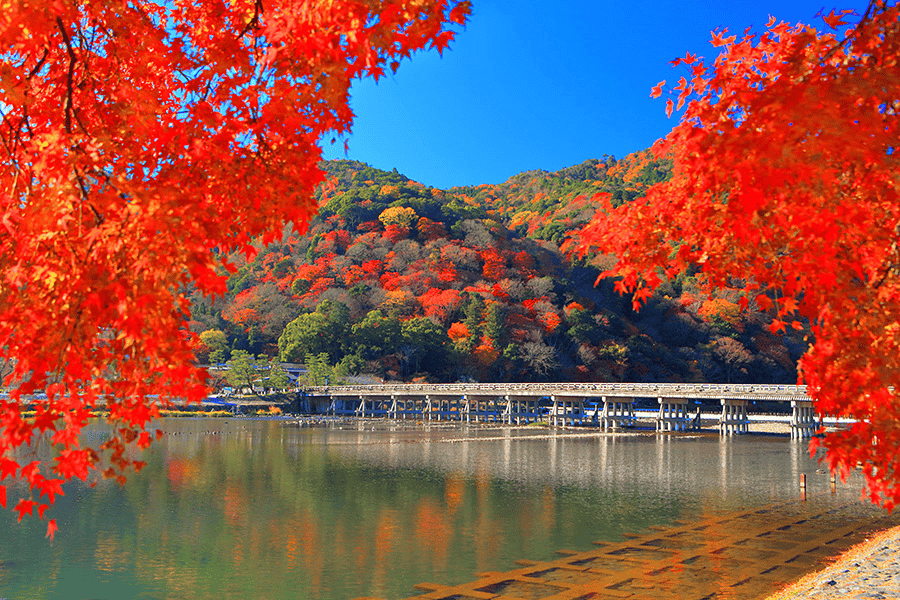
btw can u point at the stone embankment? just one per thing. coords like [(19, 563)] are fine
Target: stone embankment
[(870, 570)]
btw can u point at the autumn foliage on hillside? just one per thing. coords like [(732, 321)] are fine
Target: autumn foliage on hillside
[(141, 142), (409, 282), (785, 178)]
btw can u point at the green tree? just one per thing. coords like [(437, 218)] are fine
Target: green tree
[(261, 373), (242, 371), (422, 342), (375, 336), (351, 364), (324, 330), (583, 327), (277, 378), (319, 371), (216, 342), (495, 324), (474, 315)]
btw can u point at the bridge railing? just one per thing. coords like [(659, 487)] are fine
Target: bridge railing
[(771, 392)]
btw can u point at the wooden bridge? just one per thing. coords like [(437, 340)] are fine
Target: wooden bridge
[(610, 405)]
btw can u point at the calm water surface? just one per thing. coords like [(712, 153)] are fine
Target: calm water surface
[(243, 508)]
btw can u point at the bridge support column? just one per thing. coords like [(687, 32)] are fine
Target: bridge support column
[(803, 420), (734, 417), (531, 410), (507, 411), (339, 405), (392, 411), (522, 409), (595, 416), (446, 408), (672, 414), (617, 412), (566, 410)]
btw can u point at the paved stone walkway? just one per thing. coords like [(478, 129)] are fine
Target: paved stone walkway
[(868, 571), (740, 556)]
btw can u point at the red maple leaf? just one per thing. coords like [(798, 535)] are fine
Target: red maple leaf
[(718, 39), (51, 529), (836, 20), (24, 507), (8, 468), (51, 488)]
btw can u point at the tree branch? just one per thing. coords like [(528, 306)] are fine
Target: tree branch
[(253, 23), (69, 76)]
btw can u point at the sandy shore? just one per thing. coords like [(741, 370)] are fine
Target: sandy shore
[(869, 570)]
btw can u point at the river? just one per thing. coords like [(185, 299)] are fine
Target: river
[(246, 508)]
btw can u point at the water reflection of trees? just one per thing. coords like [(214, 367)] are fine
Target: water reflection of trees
[(256, 509), (230, 508)]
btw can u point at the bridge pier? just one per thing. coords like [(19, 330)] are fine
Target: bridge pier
[(392, 411), (339, 405), (361, 409), (449, 408), (734, 417), (404, 406), (376, 406), (566, 406), (479, 407), (617, 412), (803, 419), (521, 409), (672, 415)]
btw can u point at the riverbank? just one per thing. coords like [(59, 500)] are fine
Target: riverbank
[(868, 570)]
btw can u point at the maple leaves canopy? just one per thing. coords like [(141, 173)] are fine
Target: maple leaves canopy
[(138, 140), (786, 178)]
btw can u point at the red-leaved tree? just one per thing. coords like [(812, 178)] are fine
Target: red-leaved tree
[(139, 141), (786, 178)]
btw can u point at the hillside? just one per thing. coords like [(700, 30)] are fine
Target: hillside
[(406, 281)]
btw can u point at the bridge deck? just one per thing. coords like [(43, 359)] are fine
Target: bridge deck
[(564, 403), (770, 392)]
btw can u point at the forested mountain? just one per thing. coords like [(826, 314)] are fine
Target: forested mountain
[(410, 282)]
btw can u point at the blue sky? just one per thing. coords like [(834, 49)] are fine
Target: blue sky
[(541, 85)]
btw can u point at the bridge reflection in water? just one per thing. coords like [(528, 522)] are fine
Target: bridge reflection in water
[(608, 405)]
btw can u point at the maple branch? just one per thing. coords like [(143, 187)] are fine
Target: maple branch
[(253, 23), (874, 7), (38, 65), (84, 194), (69, 75), (25, 120), (15, 136)]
